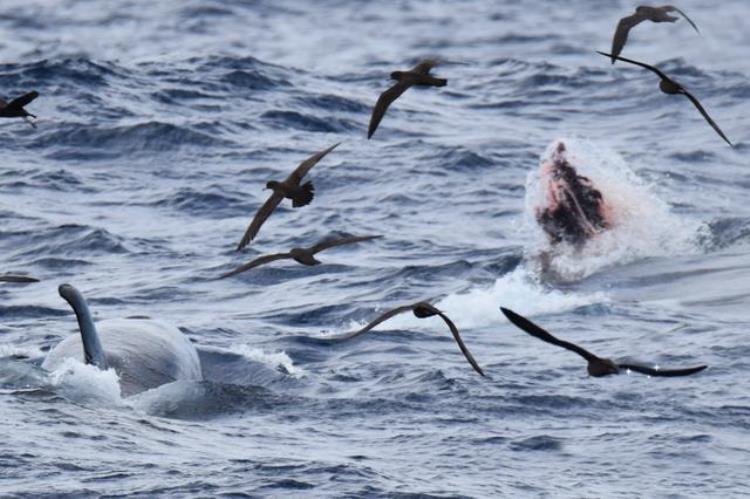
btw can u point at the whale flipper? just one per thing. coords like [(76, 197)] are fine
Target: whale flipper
[(92, 348)]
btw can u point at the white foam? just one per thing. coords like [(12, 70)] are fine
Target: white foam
[(86, 383), (22, 351), (643, 225), (480, 306), (274, 360), (518, 290), (169, 398)]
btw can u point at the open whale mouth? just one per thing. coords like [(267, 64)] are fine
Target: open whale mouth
[(574, 211)]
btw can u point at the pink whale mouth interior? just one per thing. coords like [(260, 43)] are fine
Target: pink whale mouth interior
[(575, 210)]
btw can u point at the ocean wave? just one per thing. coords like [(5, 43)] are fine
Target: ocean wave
[(285, 119), (135, 140)]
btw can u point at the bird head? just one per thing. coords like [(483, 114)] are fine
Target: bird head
[(423, 309), (602, 367)]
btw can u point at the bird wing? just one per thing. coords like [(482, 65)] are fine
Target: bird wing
[(641, 64), (461, 345), (536, 331), (705, 115), (260, 217), (385, 100), (261, 260), (296, 176), (425, 66), (672, 8), (24, 99), (330, 243), (621, 33), (17, 278), (384, 317), (652, 371)]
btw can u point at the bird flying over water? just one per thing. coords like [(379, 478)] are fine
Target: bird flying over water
[(17, 278), (305, 256), (671, 87), (419, 75), (597, 366), (421, 310), (291, 187), (643, 13), (15, 108)]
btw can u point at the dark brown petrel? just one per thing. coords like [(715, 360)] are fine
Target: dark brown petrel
[(14, 108), (305, 256), (598, 366), (418, 75), (671, 87), (291, 187), (17, 278), (421, 310), (643, 13)]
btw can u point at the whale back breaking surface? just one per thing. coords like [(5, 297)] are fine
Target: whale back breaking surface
[(144, 353)]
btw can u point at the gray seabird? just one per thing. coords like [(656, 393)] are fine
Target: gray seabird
[(643, 13), (671, 87), (305, 256), (418, 75), (15, 108), (597, 366), (421, 310), (291, 187)]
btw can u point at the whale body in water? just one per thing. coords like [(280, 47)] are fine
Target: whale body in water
[(144, 353)]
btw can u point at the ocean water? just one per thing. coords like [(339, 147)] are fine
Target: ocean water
[(159, 125)]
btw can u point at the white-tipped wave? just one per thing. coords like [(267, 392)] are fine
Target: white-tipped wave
[(274, 360)]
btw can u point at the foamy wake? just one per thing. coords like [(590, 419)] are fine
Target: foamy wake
[(643, 225)]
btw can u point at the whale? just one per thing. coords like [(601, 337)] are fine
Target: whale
[(144, 353), (573, 210)]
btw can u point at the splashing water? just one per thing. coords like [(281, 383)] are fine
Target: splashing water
[(274, 360), (87, 384), (642, 224)]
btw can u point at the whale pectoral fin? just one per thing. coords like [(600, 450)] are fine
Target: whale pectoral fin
[(92, 348)]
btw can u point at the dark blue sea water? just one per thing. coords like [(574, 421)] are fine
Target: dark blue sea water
[(159, 125)]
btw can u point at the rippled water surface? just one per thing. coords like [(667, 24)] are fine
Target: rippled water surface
[(159, 125)]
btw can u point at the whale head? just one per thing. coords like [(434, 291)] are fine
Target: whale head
[(573, 211)]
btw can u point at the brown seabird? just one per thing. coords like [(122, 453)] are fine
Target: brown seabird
[(597, 366), (421, 310), (17, 278), (14, 108), (643, 13), (418, 75), (671, 87), (305, 256), (290, 187)]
